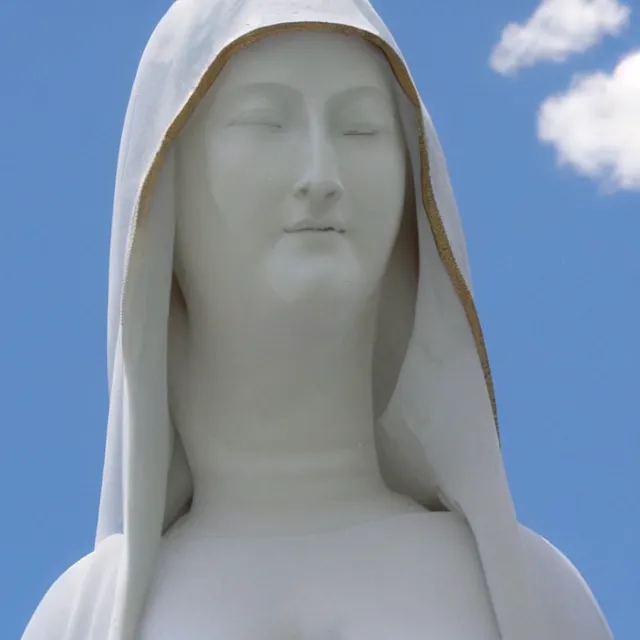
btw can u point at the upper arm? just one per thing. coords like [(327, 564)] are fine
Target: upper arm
[(565, 597), (50, 619), (80, 598)]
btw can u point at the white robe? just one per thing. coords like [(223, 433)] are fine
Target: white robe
[(80, 603), (438, 430)]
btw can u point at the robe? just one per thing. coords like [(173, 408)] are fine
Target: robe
[(438, 431)]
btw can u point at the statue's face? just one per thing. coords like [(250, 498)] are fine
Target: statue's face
[(293, 174)]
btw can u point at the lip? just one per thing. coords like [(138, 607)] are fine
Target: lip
[(318, 227)]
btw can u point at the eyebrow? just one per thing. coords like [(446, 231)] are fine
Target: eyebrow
[(365, 91), (279, 86)]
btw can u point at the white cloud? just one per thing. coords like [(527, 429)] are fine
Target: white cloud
[(556, 29), (595, 125)]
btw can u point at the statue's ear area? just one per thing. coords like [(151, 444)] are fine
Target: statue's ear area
[(180, 480), (396, 315)]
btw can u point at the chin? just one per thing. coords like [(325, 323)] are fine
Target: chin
[(320, 280), (321, 290)]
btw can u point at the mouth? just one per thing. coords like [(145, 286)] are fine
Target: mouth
[(305, 227)]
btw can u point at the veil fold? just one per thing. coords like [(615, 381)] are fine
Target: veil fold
[(438, 432)]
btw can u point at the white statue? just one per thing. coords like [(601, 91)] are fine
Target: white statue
[(302, 440)]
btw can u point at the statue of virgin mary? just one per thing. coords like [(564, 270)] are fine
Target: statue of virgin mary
[(302, 438)]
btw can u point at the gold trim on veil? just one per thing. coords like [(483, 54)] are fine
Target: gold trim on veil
[(429, 202)]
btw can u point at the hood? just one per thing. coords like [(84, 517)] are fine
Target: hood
[(437, 433)]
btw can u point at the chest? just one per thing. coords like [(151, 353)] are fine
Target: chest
[(403, 580)]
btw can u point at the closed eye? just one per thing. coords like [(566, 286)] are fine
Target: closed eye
[(258, 118), (268, 125), (258, 123), (360, 132)]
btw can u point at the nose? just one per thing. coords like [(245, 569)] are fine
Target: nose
[(321, 195), (320, 184)]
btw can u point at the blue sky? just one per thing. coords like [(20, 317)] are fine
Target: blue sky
[(554, 255)]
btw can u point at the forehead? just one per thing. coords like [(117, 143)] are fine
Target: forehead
[(322, 62)]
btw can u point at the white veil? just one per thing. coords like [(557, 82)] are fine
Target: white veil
[(437, 435)]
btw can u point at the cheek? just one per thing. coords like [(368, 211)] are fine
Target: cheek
[(250, 176), (252, 173), (375, 185), (374, 175)]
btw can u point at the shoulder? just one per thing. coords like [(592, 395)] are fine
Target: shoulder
[(565, 597), (75, 593)]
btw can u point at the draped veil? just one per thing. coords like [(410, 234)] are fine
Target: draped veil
[(436, 432)]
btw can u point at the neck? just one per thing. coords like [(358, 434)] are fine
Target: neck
[(278, 426)]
